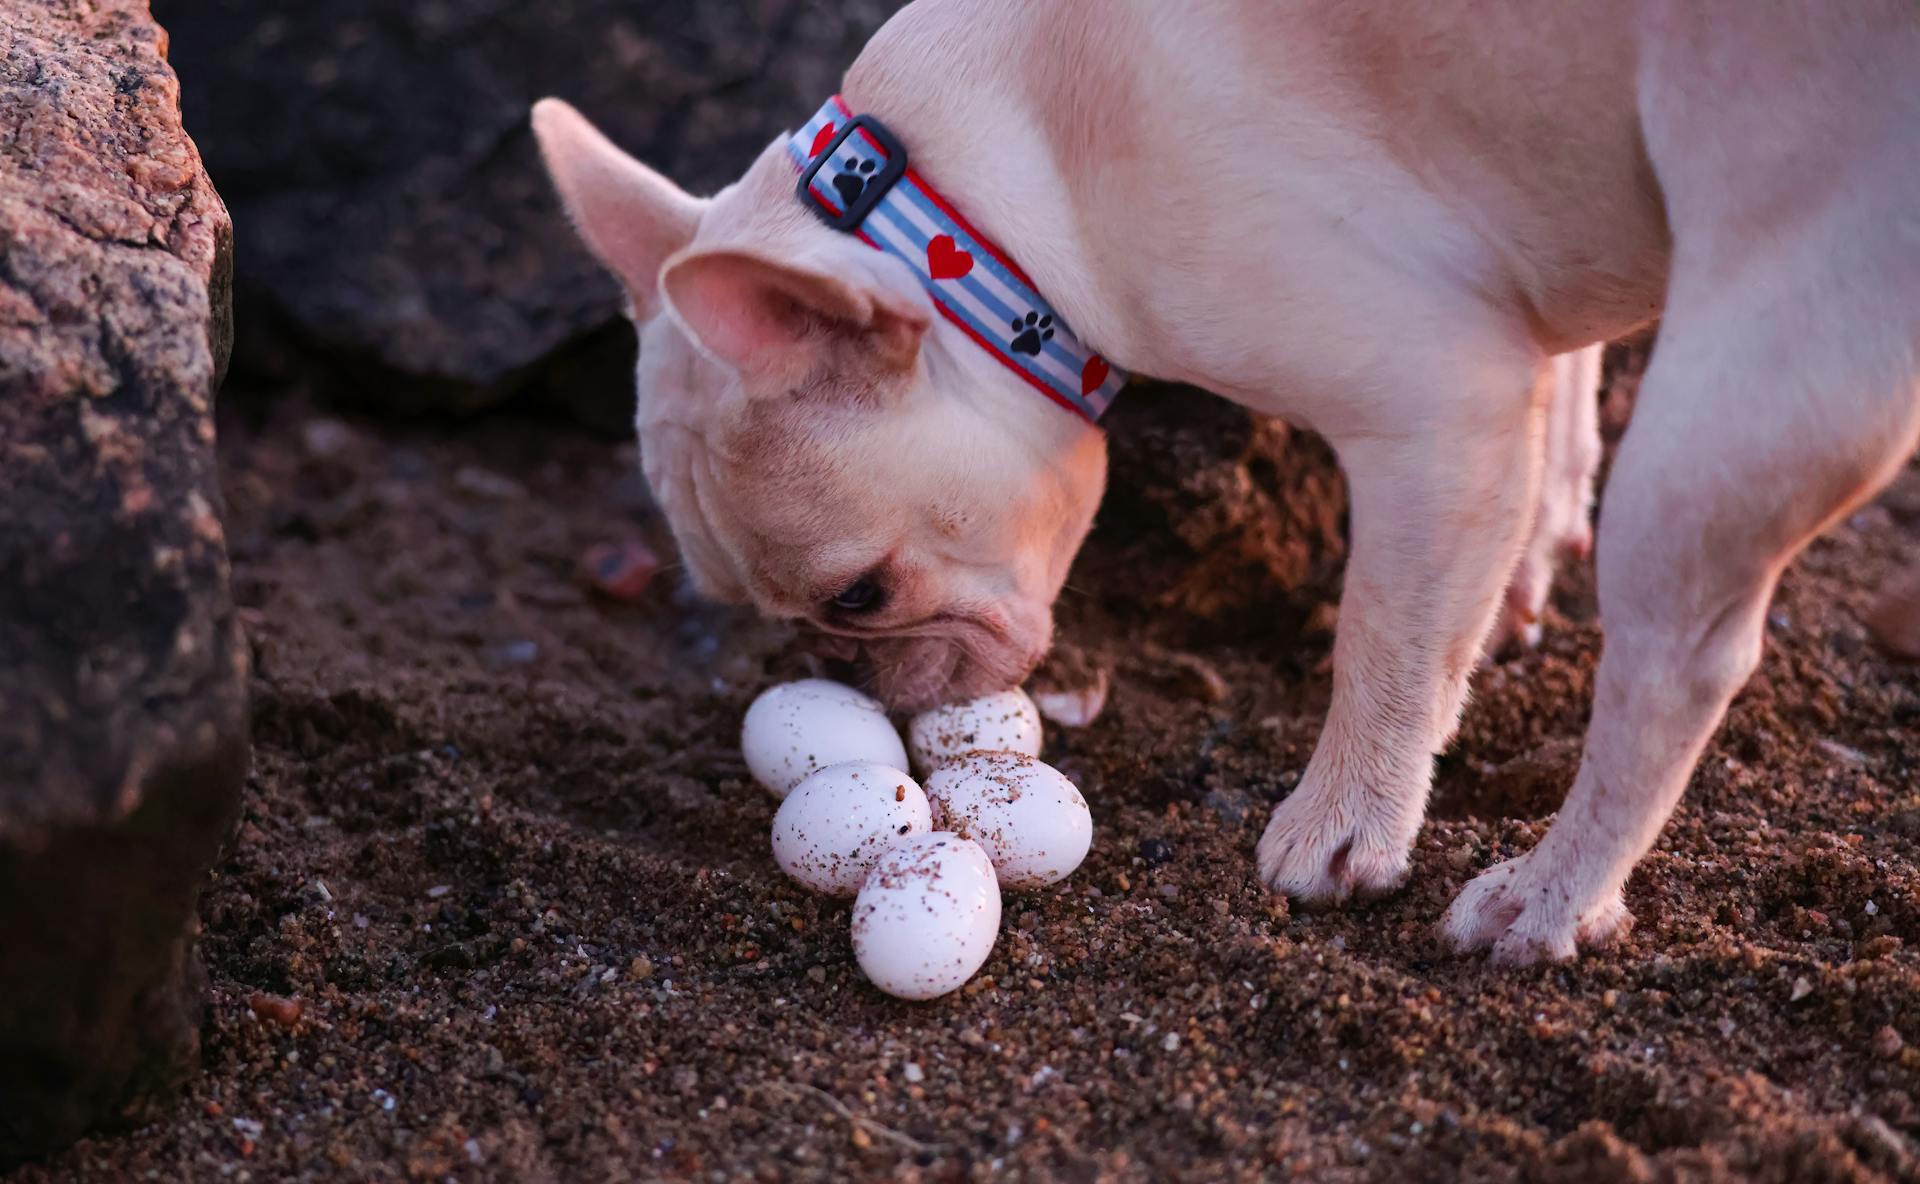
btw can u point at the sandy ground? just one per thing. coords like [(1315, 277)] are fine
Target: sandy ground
[(501, 906)]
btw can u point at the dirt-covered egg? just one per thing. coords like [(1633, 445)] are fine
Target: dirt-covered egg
[(833, 827), (927, 916), (1031, 821), (1006, 722), (799, 727)]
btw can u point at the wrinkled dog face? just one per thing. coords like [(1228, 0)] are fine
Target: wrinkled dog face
[(823, 446)]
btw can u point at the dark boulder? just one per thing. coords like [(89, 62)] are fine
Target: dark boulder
[(1894, 620), (1220, 522), (379, 159), (122, 687)]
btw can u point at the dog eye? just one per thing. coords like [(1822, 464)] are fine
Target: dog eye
[(861, 596)]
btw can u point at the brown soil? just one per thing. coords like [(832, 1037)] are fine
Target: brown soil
[(501, 906)]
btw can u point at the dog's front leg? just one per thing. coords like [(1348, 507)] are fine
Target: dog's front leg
[(1441, 502)]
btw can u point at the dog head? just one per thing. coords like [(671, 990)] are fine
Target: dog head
[(823, 444)]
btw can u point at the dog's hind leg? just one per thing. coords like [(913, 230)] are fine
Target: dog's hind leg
[(1562, 515), (1783, 391)]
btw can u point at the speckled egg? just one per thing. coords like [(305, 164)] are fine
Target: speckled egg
[(1006, 722), (834, 826), (796, 728), (1031, 821), (927, 916)]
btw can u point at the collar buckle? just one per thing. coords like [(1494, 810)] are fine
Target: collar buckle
[(859, 180)]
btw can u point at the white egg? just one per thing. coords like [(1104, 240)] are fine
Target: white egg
[(799, 727), (831, 829), (927, 916), (1032, 822), (1006, 722)]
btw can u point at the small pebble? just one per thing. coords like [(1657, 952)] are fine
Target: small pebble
[(1888, 1042), (325, 439), (618, 571), (1155, 851), (274, 1009), (913, 1073), (407, 464), (486, 485), (514, 653)]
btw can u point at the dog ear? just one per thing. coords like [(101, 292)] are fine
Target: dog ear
[(630, 217), (780, 322)]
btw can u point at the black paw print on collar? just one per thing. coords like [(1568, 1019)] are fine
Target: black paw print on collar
[(851, 181), (1032, 330)]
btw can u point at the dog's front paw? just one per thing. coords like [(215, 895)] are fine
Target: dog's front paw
[(1525, 914), (1323, 845)]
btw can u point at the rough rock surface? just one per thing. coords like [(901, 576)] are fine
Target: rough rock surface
[(379, 158), (1220, 514), (1895, 620), (122, 691)]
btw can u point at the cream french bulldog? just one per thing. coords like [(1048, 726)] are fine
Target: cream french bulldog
[(1383, 220)]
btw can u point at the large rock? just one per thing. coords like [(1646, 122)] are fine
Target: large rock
[(1219, 521), (1894, 619), (122, 688), (396, 214)]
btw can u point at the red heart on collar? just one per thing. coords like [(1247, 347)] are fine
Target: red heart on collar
[(945, 259), (1093, 374), (821, 139)]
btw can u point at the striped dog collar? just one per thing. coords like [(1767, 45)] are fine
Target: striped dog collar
[(854, 174)]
